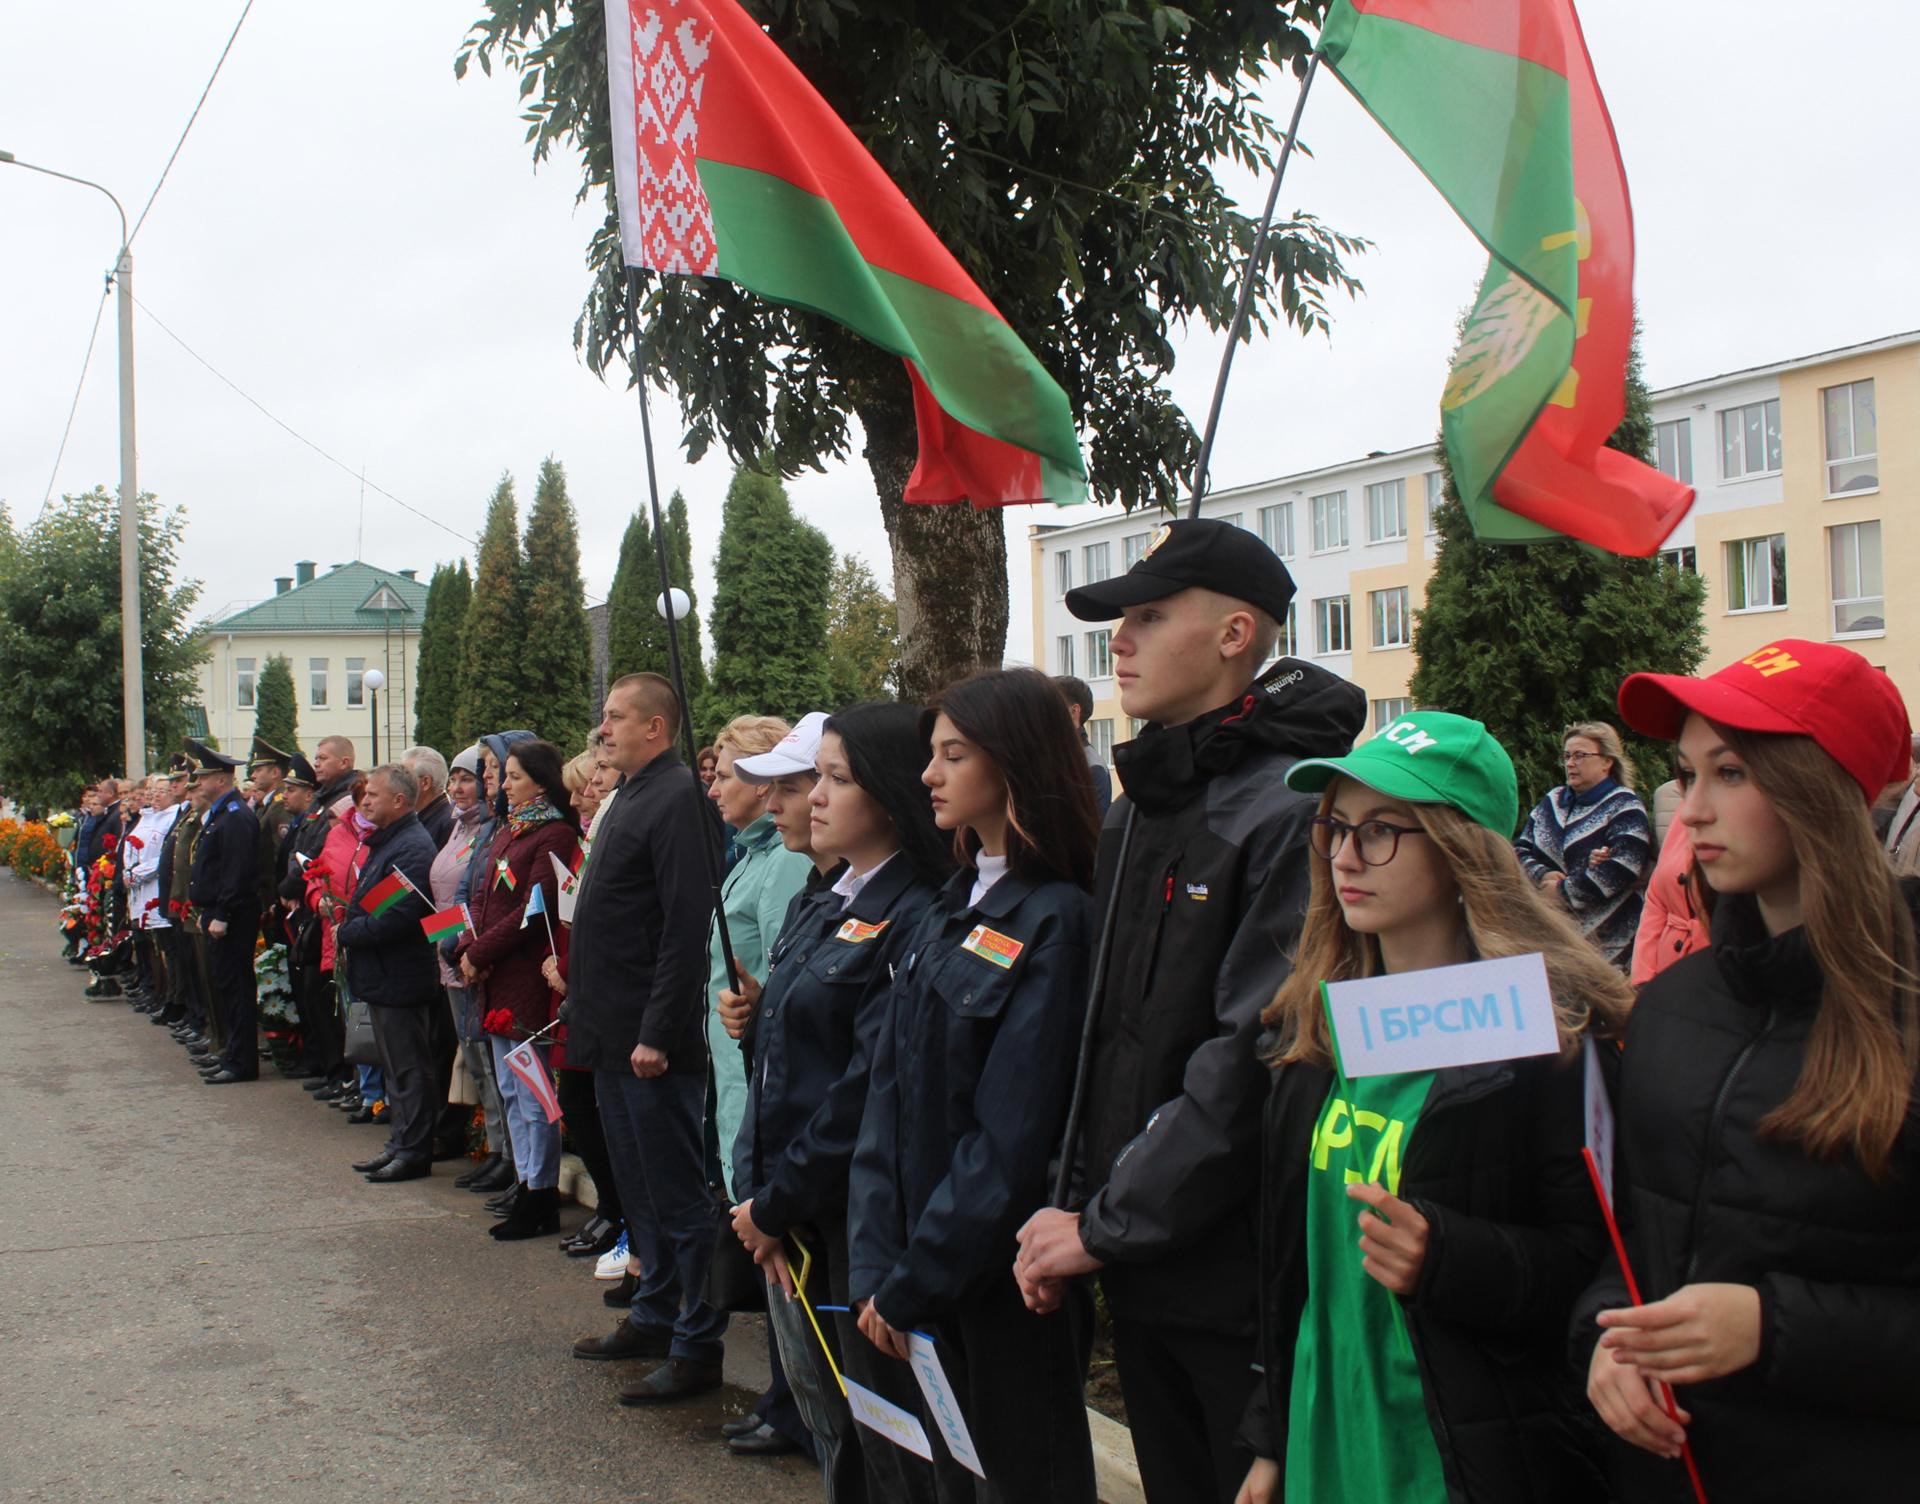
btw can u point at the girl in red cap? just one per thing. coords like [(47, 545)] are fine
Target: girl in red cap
[(1768, 1156)]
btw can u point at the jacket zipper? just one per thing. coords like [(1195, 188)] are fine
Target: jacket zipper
[(1713, 1137)]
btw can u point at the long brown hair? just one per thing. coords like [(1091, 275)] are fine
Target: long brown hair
[(1856, 1082), (1505, 915)]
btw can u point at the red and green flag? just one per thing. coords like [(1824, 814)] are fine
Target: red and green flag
[(728, 164), (1497, 103), (448, 923), (384, 894)]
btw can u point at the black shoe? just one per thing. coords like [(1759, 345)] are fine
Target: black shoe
[(745, 1425), (227, 1078), (761, 1442), (363, 1116), (204, 1058), (400, 1169), (367, 1166), (586, 1232), (620, 1294), (499, 1178), (675, 1379), (347, 1101), (479, 1171), (101, 990), (534, 1215), (503, 1204), (626, 1341), (321, 1084), (299, 1073), (580, 1246), (164, 1019)]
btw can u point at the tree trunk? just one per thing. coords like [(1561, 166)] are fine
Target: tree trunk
[(949, 565)]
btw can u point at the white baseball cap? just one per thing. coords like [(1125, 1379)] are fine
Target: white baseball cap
[(795, 753)]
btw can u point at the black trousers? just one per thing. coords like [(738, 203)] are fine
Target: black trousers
[(407, 1061), (580, 1111), (230, 980), (326, 1032), (1185, 1393)]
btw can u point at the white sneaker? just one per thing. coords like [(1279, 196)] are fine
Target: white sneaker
[(613, 1263)]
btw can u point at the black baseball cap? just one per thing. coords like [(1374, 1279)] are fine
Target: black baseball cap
[(1192, 553)]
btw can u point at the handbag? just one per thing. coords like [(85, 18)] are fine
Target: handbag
[(734, 1281), (360, 1047)]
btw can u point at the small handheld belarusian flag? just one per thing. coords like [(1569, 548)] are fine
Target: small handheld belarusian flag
[(503, 874), (384, 894), (448, 923), (568, 890), (532, 1074)]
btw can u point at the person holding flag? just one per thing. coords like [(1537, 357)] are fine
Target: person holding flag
[(1423, 1236), (511, 898)]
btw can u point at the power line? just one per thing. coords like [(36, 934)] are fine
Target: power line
[(79, 386), (218, 63)]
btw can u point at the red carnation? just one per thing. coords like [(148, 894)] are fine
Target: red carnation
[(498, 1021), (109, 841)]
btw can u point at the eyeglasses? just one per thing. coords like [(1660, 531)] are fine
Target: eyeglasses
[(1378, 841), (1576, 758)]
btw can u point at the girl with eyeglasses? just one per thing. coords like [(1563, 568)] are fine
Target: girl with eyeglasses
[(1423, 1236)]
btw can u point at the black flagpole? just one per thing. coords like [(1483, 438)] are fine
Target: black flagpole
[(1096, 987), (673, 646)]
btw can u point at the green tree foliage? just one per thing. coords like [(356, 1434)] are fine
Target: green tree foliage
[(276, 713), (680, 571), (490, 690), (1531, 639), (556, 649), (436, 702), (60, 685), (1066, 152), (636, 631), (769, 608), (863, 636)]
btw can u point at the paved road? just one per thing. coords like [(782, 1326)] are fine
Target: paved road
[(200, 1301)]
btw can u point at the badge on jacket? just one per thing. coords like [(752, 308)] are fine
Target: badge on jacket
[(856, 930), (991, 945)]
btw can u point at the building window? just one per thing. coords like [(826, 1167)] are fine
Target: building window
[(1133, 548), (1682, 559), (1392, 625), (1387, 511), (1235, 519), (317, 682), (1100, 738), (1852, 438), (1099, 654), (1859, 600), (1135, 725), (1332, 624), (1757, 573), (1750, 440), (1329, 521), (246, 682), (1436, 493), (1673, 449), (356, 681), (1063, 652), (1276, 528), (1098, 561), (1289, 642), (1386, 712)]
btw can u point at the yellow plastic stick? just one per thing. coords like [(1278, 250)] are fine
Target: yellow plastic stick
[(800, 1290)]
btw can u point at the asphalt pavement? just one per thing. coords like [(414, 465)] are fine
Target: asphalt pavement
[(200, 1301)]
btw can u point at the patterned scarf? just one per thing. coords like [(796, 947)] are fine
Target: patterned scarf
[(535, 812)]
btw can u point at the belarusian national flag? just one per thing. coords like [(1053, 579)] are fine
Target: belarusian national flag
[(1496, 102), (727, 163), (447, 923), (384, 894)]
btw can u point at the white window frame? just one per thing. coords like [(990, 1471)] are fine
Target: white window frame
[(1674, 438), (246, 683), (1062, 573), (1100, 653), (1096, 556), (1389, 610), (319, 671), (1063, 655), (1288, 644), (1835, 461), (1769, 410), (1685, 558), (1234, 519), (1133, 548), (1326, 610), (1387, 711), (1773, 543), (1276, 528), (1328, 508), (356, 681), (1436, 484), (1383, 496), (1854, 533), (1100, 738)]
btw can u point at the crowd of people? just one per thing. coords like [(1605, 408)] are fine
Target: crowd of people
[(873, 1017)]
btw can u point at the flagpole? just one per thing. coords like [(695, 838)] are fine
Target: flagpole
[(1197, 487), (673, 645)]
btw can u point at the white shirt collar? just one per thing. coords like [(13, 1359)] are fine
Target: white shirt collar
[(849, 883)]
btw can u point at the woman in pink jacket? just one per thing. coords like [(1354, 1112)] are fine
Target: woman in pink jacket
[(1671, 924), (336, 871)]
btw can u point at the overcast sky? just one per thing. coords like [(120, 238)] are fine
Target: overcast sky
[(362, 245)]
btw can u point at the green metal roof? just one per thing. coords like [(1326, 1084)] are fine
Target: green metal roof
[(197, 722), (346, 599)]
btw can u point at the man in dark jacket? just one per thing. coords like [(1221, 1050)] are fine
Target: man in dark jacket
[(636, 983), (390, 967), (224, 888), (332, 774), (1210, 904)]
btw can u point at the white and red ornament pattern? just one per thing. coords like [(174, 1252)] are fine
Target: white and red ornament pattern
[(676, 221)]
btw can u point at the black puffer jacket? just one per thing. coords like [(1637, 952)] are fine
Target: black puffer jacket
[(1832, 1408), (1214, 892), (1515, 1234)]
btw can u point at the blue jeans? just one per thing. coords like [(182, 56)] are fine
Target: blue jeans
[(654, 1140), (536, 1142)]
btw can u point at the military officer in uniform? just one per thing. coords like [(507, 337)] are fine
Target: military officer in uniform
[(224, 888)]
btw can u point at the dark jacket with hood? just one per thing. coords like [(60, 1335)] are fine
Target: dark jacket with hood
[(1210, 908), (1494, 1166), (388, 959), (306, 840), (1831, 1410)]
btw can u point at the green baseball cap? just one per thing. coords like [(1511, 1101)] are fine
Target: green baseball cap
[(1428, 757)]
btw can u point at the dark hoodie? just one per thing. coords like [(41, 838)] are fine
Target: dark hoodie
[(1210, 908)]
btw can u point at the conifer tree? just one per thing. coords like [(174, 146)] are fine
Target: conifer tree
[(490, 690), (437, 710), (1530, 639), (632, 644), (556, 649), (680, 571), (276, 715)]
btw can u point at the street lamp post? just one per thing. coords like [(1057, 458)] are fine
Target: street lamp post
[(374, 681), (133, 698)]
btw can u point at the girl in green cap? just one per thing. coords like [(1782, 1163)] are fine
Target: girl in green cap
[(1423, 1236)]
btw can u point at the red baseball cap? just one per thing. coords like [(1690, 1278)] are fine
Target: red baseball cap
[(1792, 687)]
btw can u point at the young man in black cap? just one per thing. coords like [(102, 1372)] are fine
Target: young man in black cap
[(1209, 904), (224, 888)]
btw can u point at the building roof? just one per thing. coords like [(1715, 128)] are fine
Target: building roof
[(349, 598)]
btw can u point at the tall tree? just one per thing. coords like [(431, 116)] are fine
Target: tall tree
[(1065, 152), (436, 703), (60, 685), (1531, 639), (769, 607), (863, 636), (680, 571), (556, 649), (276, 712), (490, 689), (633, 645)]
